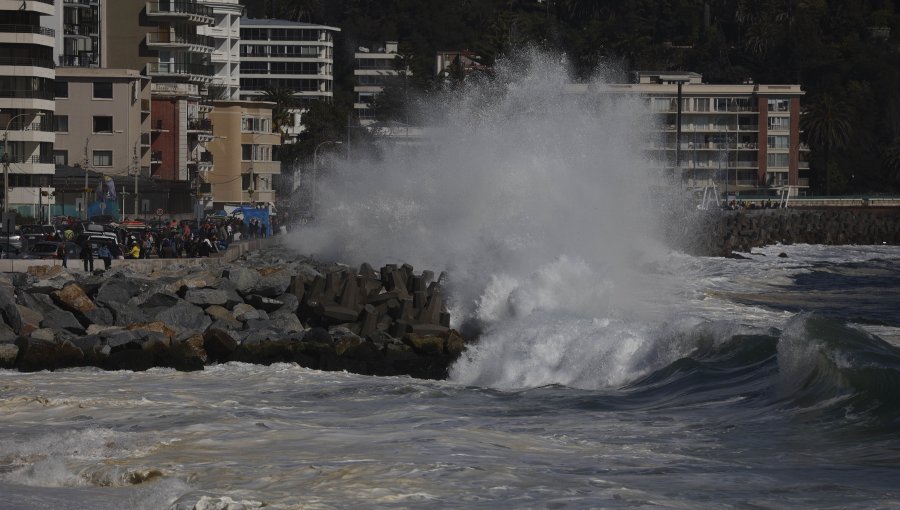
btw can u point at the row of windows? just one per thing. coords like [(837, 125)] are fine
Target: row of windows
[(102, 90), (254, 125), (299, 85), (284, 34), (98, 158), (282, 68), (715, 104), (778, 160), (279, 50), (100, 124), (254, 152)]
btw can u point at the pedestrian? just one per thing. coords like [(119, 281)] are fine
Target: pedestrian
[(62, 255), (104, 253), (87, 256)]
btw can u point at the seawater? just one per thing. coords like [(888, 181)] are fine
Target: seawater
[(610, 371), (734, 405)]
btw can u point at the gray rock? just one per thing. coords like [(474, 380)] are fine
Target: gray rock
[(43, 334), (245, 312), (116, 290), (158, 299), (125, 314), (120, 339), (244, 279), (8, 354), (272, 283), (8, 310), (185, 316), (6, 333), (61, 319), (206, 297), (101, 316), (291, 303)]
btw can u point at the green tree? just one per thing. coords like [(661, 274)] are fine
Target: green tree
[(827, 124), (283, 111)]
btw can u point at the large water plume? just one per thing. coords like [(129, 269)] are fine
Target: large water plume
[(534, 198)]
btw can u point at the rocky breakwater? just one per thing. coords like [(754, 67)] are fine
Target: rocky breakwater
[(259, 309), (719, 233)]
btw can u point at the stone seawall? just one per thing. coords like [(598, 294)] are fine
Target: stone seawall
[(719, 233)]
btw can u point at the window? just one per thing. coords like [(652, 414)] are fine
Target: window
[(61, 123), (103, 124), (778, 142), (102, 158), (103, 90), (701, 104), (61, 89), (61, 157), (721, 104), (778, 160), (779, 123), (255, 152), (779, 105), (254, 125)]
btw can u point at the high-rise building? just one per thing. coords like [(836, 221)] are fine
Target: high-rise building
[(225, 58), (77, 25), (26, 100), (375, 68)]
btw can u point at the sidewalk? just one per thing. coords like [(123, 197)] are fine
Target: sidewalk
[(235, 250)]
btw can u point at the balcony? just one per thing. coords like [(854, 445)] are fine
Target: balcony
[(85, 4), (199, 126), (156, 157), (145, 139), (81, 30), (191, 72), (30, 160), (26, 94), (183, 10), (27, 61), (172, 40), (27, 29), (84, 59)]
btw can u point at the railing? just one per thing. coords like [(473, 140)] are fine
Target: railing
[(178, 68), (183, 39), (19, 159), (84, 60), (178, 7), (26, 94), (85, 29), (86, 3), (27, 61), (205, 157), (200, 125), (39, 125), (27, 29)]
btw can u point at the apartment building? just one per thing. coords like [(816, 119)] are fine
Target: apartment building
[(26, 101), (77, 26), (374, 68), (225, 32), (279, 54), (740, 138), (161, 39), (243, 150), (102, 126)]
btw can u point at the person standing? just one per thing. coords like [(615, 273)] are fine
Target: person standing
[(87, 256), (62, 254), (104, 253)]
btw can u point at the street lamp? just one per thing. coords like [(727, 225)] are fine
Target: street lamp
[(6, 156), (316, 170)]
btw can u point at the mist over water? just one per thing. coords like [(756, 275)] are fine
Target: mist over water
[(534, 199)]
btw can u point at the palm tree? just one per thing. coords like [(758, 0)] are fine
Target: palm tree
[(282, 116), (827, 124)]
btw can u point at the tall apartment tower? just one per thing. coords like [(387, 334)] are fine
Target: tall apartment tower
[(77, 25), (26, 99), (375, 68), (161, 39), (225, 58)]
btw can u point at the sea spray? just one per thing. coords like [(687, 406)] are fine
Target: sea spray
[(518, 180)]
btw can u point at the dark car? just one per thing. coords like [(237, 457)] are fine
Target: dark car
[(34, 233), (47, 250)]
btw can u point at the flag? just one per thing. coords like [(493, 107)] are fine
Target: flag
[(110, 188)]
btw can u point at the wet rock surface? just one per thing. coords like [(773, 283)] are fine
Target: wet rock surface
[(261, 308)]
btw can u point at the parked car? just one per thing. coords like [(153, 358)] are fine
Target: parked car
[(12, 240), (47, 250), (34, 233)]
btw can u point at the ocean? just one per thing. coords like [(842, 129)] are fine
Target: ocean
[(776, 385), (610, 371)]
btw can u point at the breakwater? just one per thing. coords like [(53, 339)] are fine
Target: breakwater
[(257, 309), (720, 233)]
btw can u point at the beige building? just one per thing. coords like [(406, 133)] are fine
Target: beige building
[(740, 138), (242, 149)]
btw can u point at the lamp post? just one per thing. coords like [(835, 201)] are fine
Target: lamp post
[(316, 170), (6, 156)]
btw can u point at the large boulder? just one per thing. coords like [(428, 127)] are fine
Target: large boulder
[(263, 303), (273, 282), (125, 314), (219, 344), (206, 297), (222, 314), (116, 290), (185, 316), (62, 320), (244, 279), (8, 353), (31, 319), (73, 298), (8, 309), (42, 351), (197, 280)]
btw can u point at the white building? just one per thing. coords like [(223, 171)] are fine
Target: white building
[(374, 68), (77, 25), (225, 58), (26, 100)]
